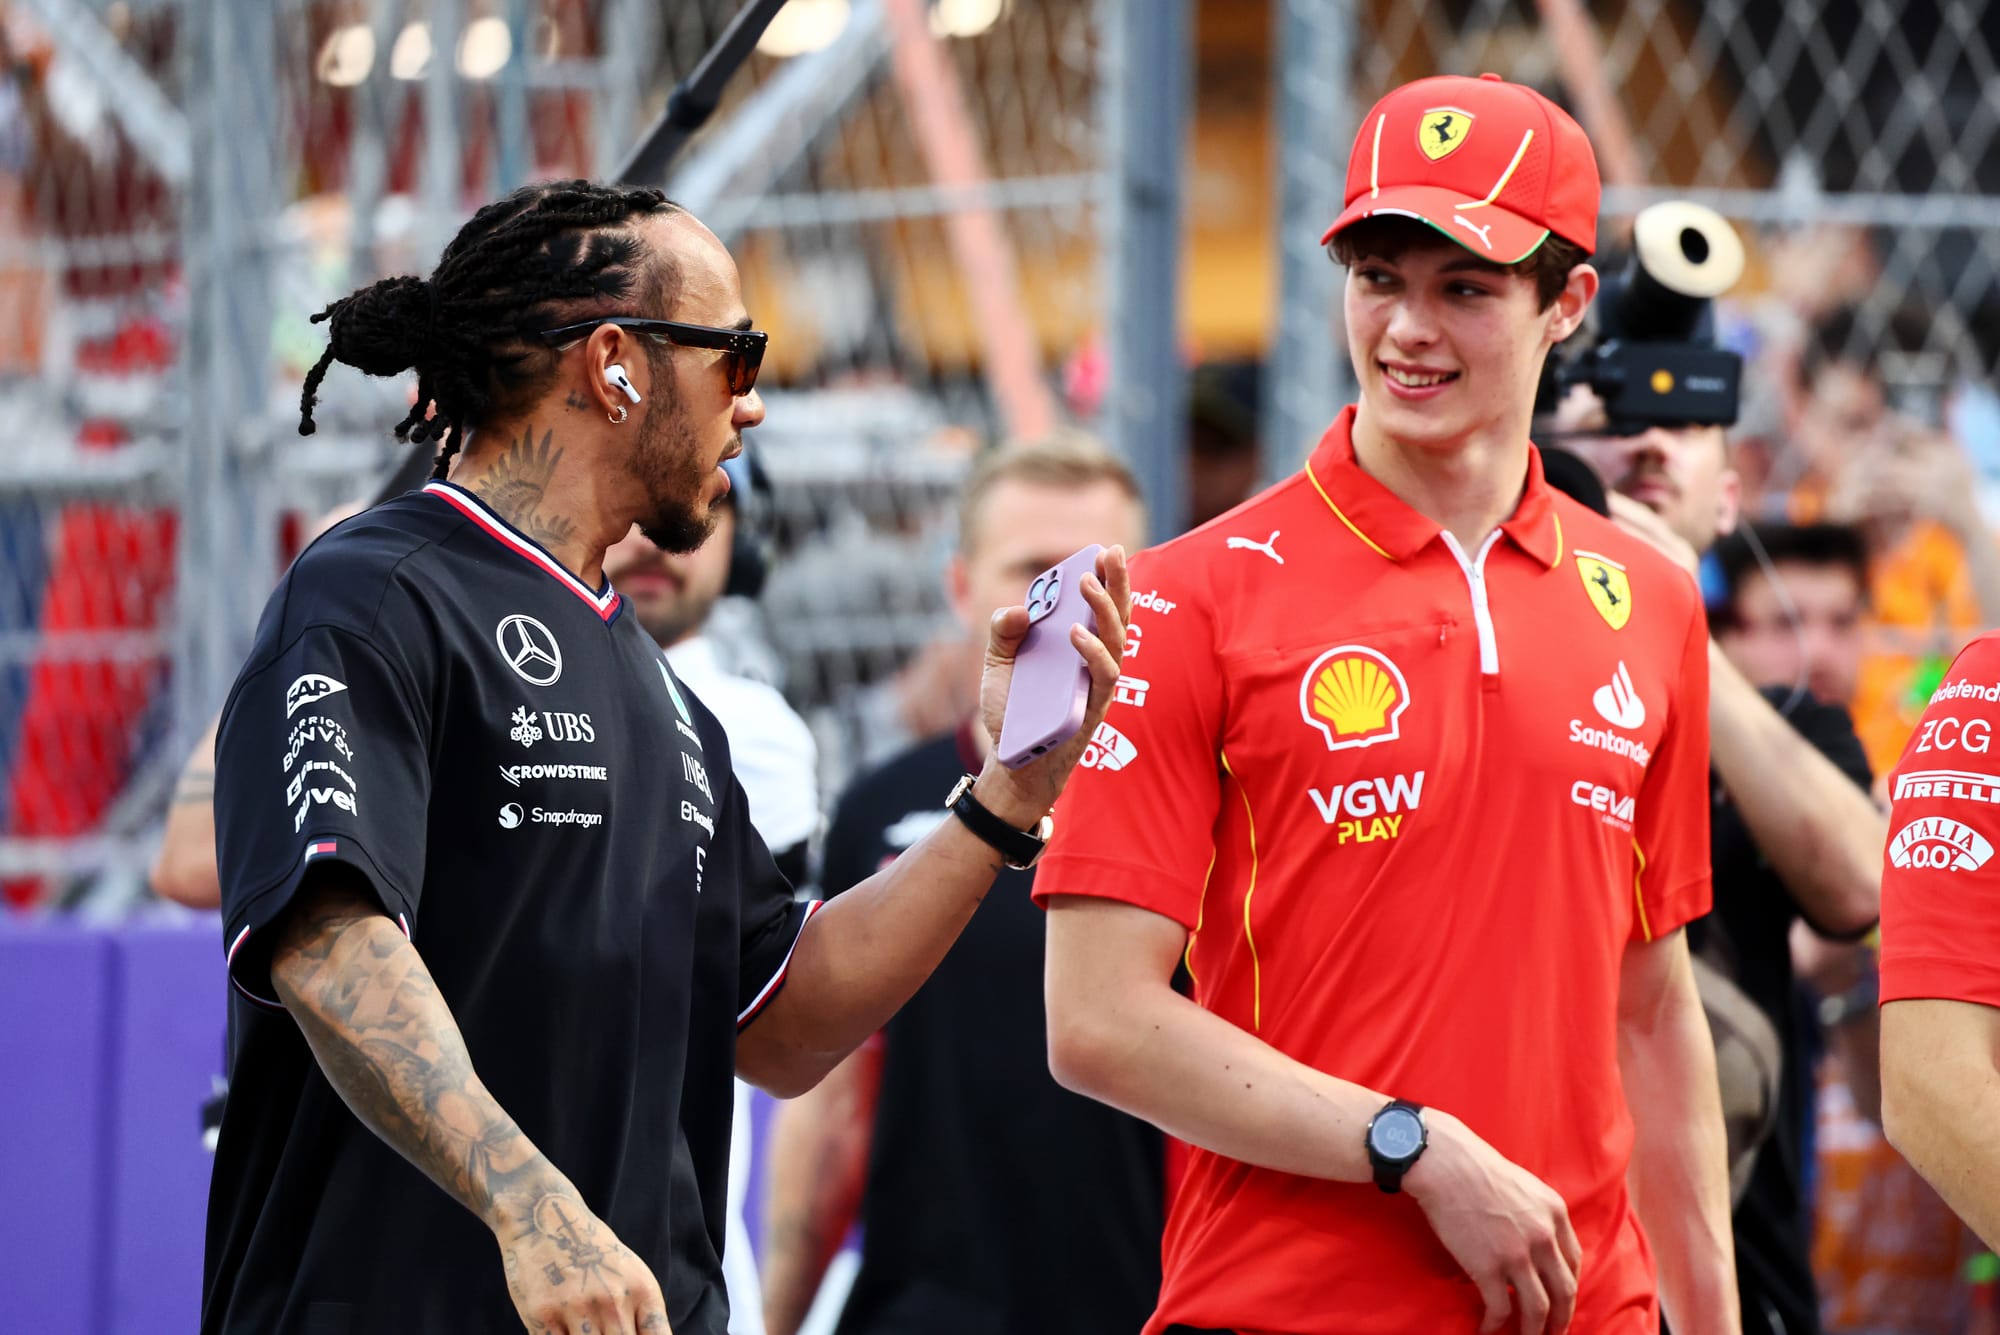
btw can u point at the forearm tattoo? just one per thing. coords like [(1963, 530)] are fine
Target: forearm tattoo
[(387, 1042), (517, 488)]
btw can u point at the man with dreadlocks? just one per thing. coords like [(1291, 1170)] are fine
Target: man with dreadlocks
[(485, 866)]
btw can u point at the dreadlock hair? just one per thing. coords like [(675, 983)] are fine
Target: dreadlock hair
[(543, 256)]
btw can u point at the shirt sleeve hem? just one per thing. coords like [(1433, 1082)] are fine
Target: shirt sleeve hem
[(248, 965), (1109, 878), (776, 983), (1939, 978), (1679, 906)]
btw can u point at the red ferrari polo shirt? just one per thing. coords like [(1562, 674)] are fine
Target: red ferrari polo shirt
[(1940, 884), (1411, 802)]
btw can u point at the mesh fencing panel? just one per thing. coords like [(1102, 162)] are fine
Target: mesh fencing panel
[(909, 188)]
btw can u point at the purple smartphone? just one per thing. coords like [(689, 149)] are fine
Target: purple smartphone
[(1051, 685)]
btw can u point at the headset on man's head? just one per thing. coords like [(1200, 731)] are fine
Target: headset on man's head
[(756, 521)]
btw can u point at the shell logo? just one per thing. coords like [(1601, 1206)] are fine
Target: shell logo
[(1353, 696)]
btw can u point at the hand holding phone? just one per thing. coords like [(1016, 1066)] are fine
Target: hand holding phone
[(1050, 689)]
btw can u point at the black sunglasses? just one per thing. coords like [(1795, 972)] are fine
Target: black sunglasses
[(744, 346)]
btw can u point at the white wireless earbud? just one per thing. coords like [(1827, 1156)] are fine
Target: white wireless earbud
[(614, 376)]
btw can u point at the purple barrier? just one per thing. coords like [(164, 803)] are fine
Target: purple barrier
[(166, 1038), (55, 1011)]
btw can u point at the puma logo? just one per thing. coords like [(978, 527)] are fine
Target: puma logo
[(1476, 230), (1267, 546)]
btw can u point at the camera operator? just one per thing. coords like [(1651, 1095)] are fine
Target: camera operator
[(1794, 835)]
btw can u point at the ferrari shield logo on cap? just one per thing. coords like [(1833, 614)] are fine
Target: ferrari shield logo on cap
[(1443, 129), (1610, 592)]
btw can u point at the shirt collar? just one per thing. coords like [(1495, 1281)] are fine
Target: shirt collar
[(1391, 529)]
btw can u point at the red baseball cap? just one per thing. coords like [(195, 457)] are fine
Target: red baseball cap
[(1492, 165)]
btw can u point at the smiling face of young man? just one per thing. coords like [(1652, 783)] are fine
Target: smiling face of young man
[(1448, 347)]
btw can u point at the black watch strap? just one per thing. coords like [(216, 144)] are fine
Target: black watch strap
[(1389, 1170), (1017, 848)]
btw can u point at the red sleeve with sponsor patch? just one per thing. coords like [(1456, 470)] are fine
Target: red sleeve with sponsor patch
[(1136, 822), (1670, 838), (1940, 882)]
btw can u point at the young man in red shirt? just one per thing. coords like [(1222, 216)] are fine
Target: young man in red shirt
[(1418, 787), (1941, 942)]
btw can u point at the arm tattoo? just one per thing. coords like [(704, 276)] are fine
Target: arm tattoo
[(196, 786), (518, 484)]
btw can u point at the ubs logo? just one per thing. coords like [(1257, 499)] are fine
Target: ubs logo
[(530, 649)]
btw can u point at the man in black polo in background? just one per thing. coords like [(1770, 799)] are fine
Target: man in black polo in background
[(992, 1201), (486, 870), (1794, 835)]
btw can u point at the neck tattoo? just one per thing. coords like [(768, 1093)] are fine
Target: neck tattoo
[(516, 487)]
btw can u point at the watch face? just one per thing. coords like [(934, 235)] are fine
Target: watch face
[(1397, 1133)]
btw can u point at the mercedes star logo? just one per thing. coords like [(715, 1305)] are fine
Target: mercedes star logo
[(530, 650)]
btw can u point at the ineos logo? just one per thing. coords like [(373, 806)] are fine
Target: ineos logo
[(530, 649)]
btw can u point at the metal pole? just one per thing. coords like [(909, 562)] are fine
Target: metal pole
[(511, 101), (225, 544), (1147, 77), (444, 163), (1308, 379)]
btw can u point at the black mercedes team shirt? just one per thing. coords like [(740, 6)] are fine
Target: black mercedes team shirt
[(997, 1202), (1752, 925), (435, 702)]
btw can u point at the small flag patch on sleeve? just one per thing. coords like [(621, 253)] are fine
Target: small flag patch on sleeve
[(320, 849)]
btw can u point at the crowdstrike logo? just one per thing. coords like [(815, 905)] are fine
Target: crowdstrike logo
[(1619, 703), (308, 688), (515, 774)]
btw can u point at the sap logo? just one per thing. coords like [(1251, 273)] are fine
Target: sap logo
[(1966, 690), (314, 729), (692, 771), (1943, 734), (1132, 641), (1616, 809), (1944, 845), (1153, 602), (298, 783), (568, 727), (320, 797), (1369, 809), (304, 690), (1131, 691), (691, 812), (1957, 785), (1109, 749)]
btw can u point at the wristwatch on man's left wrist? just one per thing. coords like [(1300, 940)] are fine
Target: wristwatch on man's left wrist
[(1017, 848), (1396, 1140)]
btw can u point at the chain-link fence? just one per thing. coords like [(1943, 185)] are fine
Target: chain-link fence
[(909, 187), (933, 205)]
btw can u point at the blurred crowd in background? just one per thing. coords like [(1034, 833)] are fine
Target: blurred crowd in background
[(1868, 447)]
